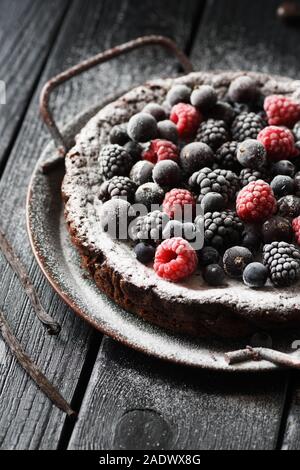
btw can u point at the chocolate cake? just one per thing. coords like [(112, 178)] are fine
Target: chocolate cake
[(190, 306)]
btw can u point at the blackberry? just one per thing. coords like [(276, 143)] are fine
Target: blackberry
[(118, 135), (247, 126), (235, 260), (213, 133), (247, 175), (220, 181), (114, 160), (149, 228), (222, 229), (118, 187), (226, 156), (283, 262), (186, 230)]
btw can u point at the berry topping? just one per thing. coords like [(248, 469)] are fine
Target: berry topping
[(255, 275), (251, 237), (222, 111), (195, 156), (142, 127), (278, 142), (118, 187), (166, 173), (141, 172), (175, 200), (247, 126), (144, 253), (243, 90), (251, 154), (208, 255), (256, 202), (226, 156), (160, 150), (179, 94), (118, 135), (167, 130), (134, 149), (114, 160), (204, 97), (149, 194), (149, 228), (187, 119), (282, 185), (235, 260), (289, 206), (277, 228), (156, 110), (222, 229), (214, 275), (187, 230), (175, 259), (296, 229), (281, 110), (115, 215), (247, 175), (213, 133), (212, 202), (283, 167), (220, 181), (283, 262)]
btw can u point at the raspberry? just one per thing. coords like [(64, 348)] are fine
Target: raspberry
[(175, 200), (296, 229), (278, 142), (187, 119), (175, 259), (256, 202), (281, 110), (160, 150)]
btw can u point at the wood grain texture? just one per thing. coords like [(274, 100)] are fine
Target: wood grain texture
[(291, 428), (246, 35), (27, 418), (136, 402), (26, 35)]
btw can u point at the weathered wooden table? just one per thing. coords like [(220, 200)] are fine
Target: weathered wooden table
[(125, 399)]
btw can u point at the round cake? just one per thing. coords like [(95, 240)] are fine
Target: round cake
[(196, 303)]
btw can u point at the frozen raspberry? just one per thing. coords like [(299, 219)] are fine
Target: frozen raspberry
[(160, 150), (296, 229), (278, 142), (281, 110), (256, 202), (187, 119), (175, 259), (175, 200)]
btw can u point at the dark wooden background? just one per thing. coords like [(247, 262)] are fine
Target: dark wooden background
[(125, 400)]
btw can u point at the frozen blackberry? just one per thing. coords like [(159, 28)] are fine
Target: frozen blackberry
[(289, 206), (277, 228), (255, 275), (213, 133), (134, 149), (282, 185), (247, 126), (118, 187), (166, 173), (141, 172), (226, 156), (114, 160), (195, 156), (247, 175), (214, 275), (118, 135), (220, 181), (142, 127), (283, 262), (222, 229), (235, 260), (156, 110), (167, 130), (208, 255), (149, 228), (179, 94), (144, 252), (204, 97), (283, 167), (243, 90), (251, 154), (222, 111), (149, 194), (212, 202)]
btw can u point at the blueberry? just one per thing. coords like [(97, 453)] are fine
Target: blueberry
[(214, 275), (142, 127), (283, 167), (255, 275), (166, 173), (156, 110), (243, 90), (251, 238), (222, 111), (144, 253), (179, 94), (277, 228), (134, 149), (251, 154), (289, 206), (167, 130), (141, 172), (282, 185), (235, 260), (195, 156), (118, 135), (204, 97), (149, 194), (208, 255), (213, 202)]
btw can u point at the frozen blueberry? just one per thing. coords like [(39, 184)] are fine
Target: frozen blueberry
[(284, 167), (134, 149), (156, 110), (166, 173), (118, 135), (204, 97), (214, 275), (195, 156), (208, 255), (141, 172), (213, 202), (243, 89), (251, 154), (144, 253), (222, 111), (282, 185), (168, 130), (251, 238), (289, 206), (235, 260), (277, 228), (255, 275), (149, 194), (142, 127), (179, 94)]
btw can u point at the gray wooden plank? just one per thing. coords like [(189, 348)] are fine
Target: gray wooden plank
[(27, 419), (26, 35), (136, 402), (291, 428)]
